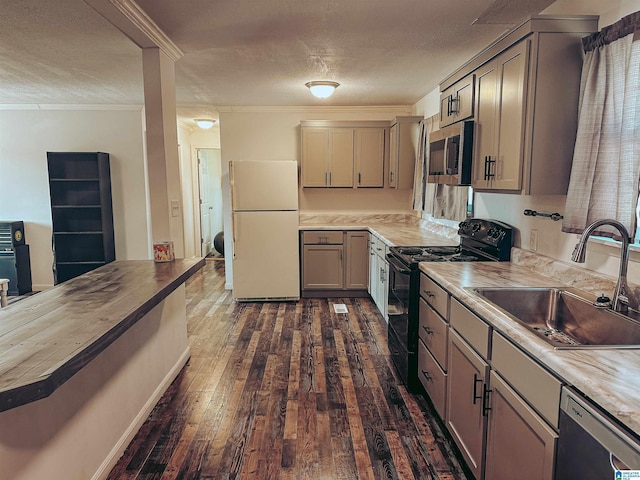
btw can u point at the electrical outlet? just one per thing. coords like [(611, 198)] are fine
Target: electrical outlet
[(533, 240)]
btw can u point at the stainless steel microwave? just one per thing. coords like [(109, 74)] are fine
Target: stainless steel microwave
[(451, 154)]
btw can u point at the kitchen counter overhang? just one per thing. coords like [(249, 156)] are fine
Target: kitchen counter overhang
[(47, 338)]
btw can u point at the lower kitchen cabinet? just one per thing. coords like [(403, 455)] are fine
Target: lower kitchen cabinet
[(466, 412), (433, 379), (500, 406), (334, 262), (357, 272), (323, 267), (519, 443)]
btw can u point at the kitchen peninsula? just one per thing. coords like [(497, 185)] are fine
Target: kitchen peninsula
[(83, 364)]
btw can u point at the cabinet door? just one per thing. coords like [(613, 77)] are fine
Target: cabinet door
[(369, 156), (393, 156), (500, 120), (406, 145), (383, 286), (315, 157), (341, 157), (484, 138), (322, 267), (373, 269), (466, 418), (512, 65), (357, 271), (456, 102), (519, 443)]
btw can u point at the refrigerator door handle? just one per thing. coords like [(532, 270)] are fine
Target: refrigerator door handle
[(233, 235)]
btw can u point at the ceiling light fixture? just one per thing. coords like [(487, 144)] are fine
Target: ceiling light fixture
[(205, 123), (322, 88)]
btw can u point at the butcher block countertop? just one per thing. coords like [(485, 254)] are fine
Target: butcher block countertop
[(609, 377), (46, 338)]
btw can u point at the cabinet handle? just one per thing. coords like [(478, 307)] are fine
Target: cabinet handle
[(485, 401), (426, 375), (390, 177), (455, 104), (359, 178), (430, 332), (487, 167), (329, 178), (477, 380), (428, 293)]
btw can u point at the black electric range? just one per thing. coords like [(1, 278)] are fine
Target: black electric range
[(480, 240)]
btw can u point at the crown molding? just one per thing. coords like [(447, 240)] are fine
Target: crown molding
[(394, 109), (130, 19), (64, 106)]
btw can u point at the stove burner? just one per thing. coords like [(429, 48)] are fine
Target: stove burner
[(410, 250), (444, 250), (429, 258)]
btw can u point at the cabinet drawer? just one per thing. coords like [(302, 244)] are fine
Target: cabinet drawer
[(435, 295), (433, 379), (471, 327), (322, 237), (537, 386), (434, 332)]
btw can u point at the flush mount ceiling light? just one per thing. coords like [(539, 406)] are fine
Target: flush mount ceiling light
[(322, 89), (205, 123)]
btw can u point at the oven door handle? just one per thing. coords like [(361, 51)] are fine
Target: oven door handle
[(395, 263)]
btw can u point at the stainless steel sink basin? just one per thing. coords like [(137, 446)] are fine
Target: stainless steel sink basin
[(563, 318)]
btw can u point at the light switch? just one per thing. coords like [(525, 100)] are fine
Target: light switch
[(175, 208)]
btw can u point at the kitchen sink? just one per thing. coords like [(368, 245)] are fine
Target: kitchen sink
[(564, 318)]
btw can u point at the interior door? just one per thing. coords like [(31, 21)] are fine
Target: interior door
[(209, 177)]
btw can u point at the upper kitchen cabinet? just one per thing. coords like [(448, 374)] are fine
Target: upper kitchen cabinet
[(456, 102), (327, 157), (403, 145), (527, 85), (342, 154), (369, 153)]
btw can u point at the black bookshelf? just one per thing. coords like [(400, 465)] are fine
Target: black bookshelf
[(81, 212)]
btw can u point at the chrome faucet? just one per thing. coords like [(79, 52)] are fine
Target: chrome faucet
[(620, 298)]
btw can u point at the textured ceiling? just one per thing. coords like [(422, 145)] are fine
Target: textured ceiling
[(249, 52)]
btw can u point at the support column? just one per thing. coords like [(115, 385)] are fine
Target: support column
[(163, 165), (159, 55)]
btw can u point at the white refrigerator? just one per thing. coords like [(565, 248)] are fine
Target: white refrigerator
[(264, 208)]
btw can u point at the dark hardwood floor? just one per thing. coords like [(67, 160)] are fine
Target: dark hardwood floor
[(289, 391)]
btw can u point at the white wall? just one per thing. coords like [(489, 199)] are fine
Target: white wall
[(273, 133), (26, 136)]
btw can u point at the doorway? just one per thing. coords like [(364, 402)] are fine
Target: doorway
[(210, 186)]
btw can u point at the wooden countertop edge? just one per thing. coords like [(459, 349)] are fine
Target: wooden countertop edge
[(31, 392)]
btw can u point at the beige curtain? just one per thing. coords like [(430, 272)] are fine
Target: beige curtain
[(606, 161)]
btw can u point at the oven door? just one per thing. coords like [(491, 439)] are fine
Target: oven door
[(398, 306)]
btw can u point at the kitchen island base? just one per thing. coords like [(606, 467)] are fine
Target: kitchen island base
[(83, 364)]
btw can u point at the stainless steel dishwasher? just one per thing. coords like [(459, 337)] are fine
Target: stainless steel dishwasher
[(591, 446)]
